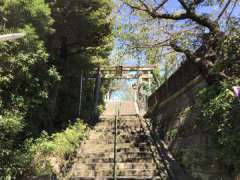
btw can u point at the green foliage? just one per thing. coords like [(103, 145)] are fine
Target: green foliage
[(25, 77), (220, 115), (35, 157), (85, 28), (12, 158), (25, 80), (220, 108), (59, 145), (20, 13), (101, 108), (229, 55), (84, 25), (11, 124), (63, 143), (30, 82)]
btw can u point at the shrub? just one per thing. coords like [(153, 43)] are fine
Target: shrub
[(10, 126), (57, 146), (221, 118)]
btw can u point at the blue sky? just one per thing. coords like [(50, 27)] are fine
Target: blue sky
[(172, 7)]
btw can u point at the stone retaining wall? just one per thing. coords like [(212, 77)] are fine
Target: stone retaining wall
[(174, 113)]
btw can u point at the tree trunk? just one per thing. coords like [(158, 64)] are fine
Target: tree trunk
[(63, 54)]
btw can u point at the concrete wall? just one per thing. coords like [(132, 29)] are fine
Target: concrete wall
[(174, 112)]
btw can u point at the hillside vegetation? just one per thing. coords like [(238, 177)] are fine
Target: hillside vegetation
[(38, 74)]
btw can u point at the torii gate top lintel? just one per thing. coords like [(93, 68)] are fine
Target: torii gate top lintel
[(149, 67), (123, 72)]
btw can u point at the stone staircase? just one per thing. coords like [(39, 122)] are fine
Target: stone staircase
[(125, 108), (135, 154), (139, 156)]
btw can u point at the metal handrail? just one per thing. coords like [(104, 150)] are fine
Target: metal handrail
[(115, 149), (116, 117)]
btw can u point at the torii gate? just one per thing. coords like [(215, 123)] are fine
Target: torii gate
[(144, 73)]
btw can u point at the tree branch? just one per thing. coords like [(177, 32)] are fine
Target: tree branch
[(184, 5), (204, 21), (195, 3), (156, 45), (154, 14), (229, 16), (136, 7), (189, 14), (224, 9), (145, 5), (187, 52), (160, 5), (170, 16)]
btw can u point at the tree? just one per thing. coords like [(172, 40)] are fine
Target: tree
[(19, 13), (81, 27), (34, 97), (25, 80), (193, 32), (209, 39), (82, 41), (143, 39)]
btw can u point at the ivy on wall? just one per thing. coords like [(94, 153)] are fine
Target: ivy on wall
[(220, 112)]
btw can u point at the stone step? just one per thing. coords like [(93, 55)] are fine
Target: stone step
[(108, 141), (120, 166), (119, 155), (120, 134), (119, 122), (119, 128), (106, 149), (125, 172), (120, 178), (122, 138), (119, 159), (120, 152), (134, 158), (102, 137), (109, 134), (120, 125), (121, 147), (120, 119), (107, 130), (119, 131), (120, 142), (124, 147)]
